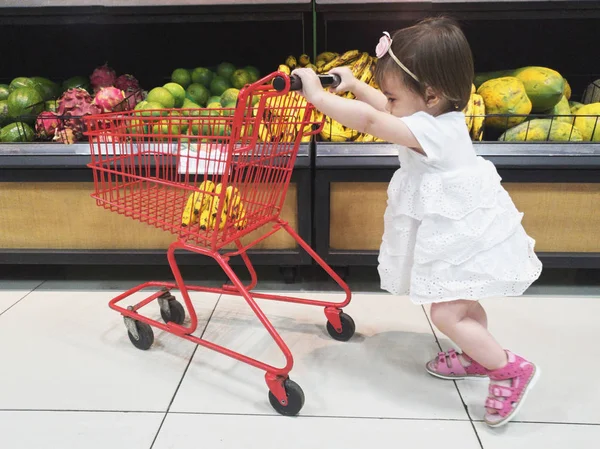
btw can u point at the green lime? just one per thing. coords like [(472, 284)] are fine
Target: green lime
[(214, 99), (198, 93), (181, 77), (150, 109), (141, 105), (167, 127), (202, 75), (229, 109), (189, 104), (178, 93), (229, 96), (225, 70), (240, 78), (219, 85), (162, 96), (254, 73)]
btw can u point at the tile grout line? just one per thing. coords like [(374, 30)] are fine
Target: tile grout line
[(184, 373), (454, 382), (23, 297)]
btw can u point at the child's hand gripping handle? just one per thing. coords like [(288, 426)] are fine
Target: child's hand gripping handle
[(296, 82)]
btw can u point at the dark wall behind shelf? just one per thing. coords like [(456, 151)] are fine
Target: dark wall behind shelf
[(149, 51)]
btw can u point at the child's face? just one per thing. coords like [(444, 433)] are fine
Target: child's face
[(402, 101)]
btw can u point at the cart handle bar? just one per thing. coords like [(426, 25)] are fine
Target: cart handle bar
[(279, 82)]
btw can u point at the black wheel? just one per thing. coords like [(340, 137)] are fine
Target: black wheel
[(348, 328), (145, 336), (175, 314), (295, 397)]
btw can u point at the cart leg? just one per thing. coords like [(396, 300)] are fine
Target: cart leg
[(178, 329), (339, 325), (249, 267), (243, 291)]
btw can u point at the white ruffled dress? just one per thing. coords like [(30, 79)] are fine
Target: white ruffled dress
[(451, 230)]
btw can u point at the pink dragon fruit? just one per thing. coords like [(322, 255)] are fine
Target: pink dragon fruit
[(108, 98), (102, 76), (74, 104), (127, 83), (46, 124)]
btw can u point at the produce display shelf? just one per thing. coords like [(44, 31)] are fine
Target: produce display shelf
[(579, 155), (77, 156)]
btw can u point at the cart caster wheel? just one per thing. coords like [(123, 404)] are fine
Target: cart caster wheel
[(295, 401), (348, 328), (145, 336), (174, 314)]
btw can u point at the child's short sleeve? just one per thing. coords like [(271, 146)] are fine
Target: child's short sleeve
[(439, 137)]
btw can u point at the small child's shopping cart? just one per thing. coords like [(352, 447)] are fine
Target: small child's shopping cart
[(211, 177)]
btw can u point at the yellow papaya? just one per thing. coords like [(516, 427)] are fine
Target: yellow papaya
[(542, 130), (562, 111), (545, 87), (568, 90), (505, 96), (588, 121), (575, 106)]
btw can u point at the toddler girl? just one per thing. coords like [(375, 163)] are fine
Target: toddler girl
[(452, 234)]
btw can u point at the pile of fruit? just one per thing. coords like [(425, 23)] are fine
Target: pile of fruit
[(202, 207), (532, 104), (363, 68), (55, 112)]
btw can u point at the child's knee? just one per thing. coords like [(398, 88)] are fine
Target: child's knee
[(444, 314)]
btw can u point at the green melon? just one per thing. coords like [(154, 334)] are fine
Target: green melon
[(25, 103), (16, 132)]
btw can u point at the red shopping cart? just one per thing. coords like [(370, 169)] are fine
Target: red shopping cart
[(211, 177)]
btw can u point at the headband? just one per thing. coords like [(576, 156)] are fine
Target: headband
[(385, 47)]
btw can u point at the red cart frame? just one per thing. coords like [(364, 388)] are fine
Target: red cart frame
[(167, 168)]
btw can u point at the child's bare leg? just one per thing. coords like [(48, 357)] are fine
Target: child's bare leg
[(465, 324)]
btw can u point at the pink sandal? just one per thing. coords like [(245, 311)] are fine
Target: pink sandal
[(447, 366), (508, 400)]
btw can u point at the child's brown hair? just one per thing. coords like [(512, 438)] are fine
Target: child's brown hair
[(438, 54)]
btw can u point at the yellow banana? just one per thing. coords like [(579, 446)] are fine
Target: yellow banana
[(222, 222), (326, 57), (344, 59), (205, 219), (284, 68), (360, 65), (240, 219), (304, 60), (311, 66), (233, 198), (478, 117), (203, 200), (189, 214), (320, 64), (468, 111), (335, 132), (291, 62)]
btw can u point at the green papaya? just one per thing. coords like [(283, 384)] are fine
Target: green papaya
[(545, 87)]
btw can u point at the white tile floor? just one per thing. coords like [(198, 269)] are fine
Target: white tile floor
[(70, 378)]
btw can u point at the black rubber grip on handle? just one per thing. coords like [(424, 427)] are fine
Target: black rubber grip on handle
[(296, 82)]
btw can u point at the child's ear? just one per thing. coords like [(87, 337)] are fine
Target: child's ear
[(432, 99)]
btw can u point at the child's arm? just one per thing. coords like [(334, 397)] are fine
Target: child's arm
[(362, 91), (356, 114)]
